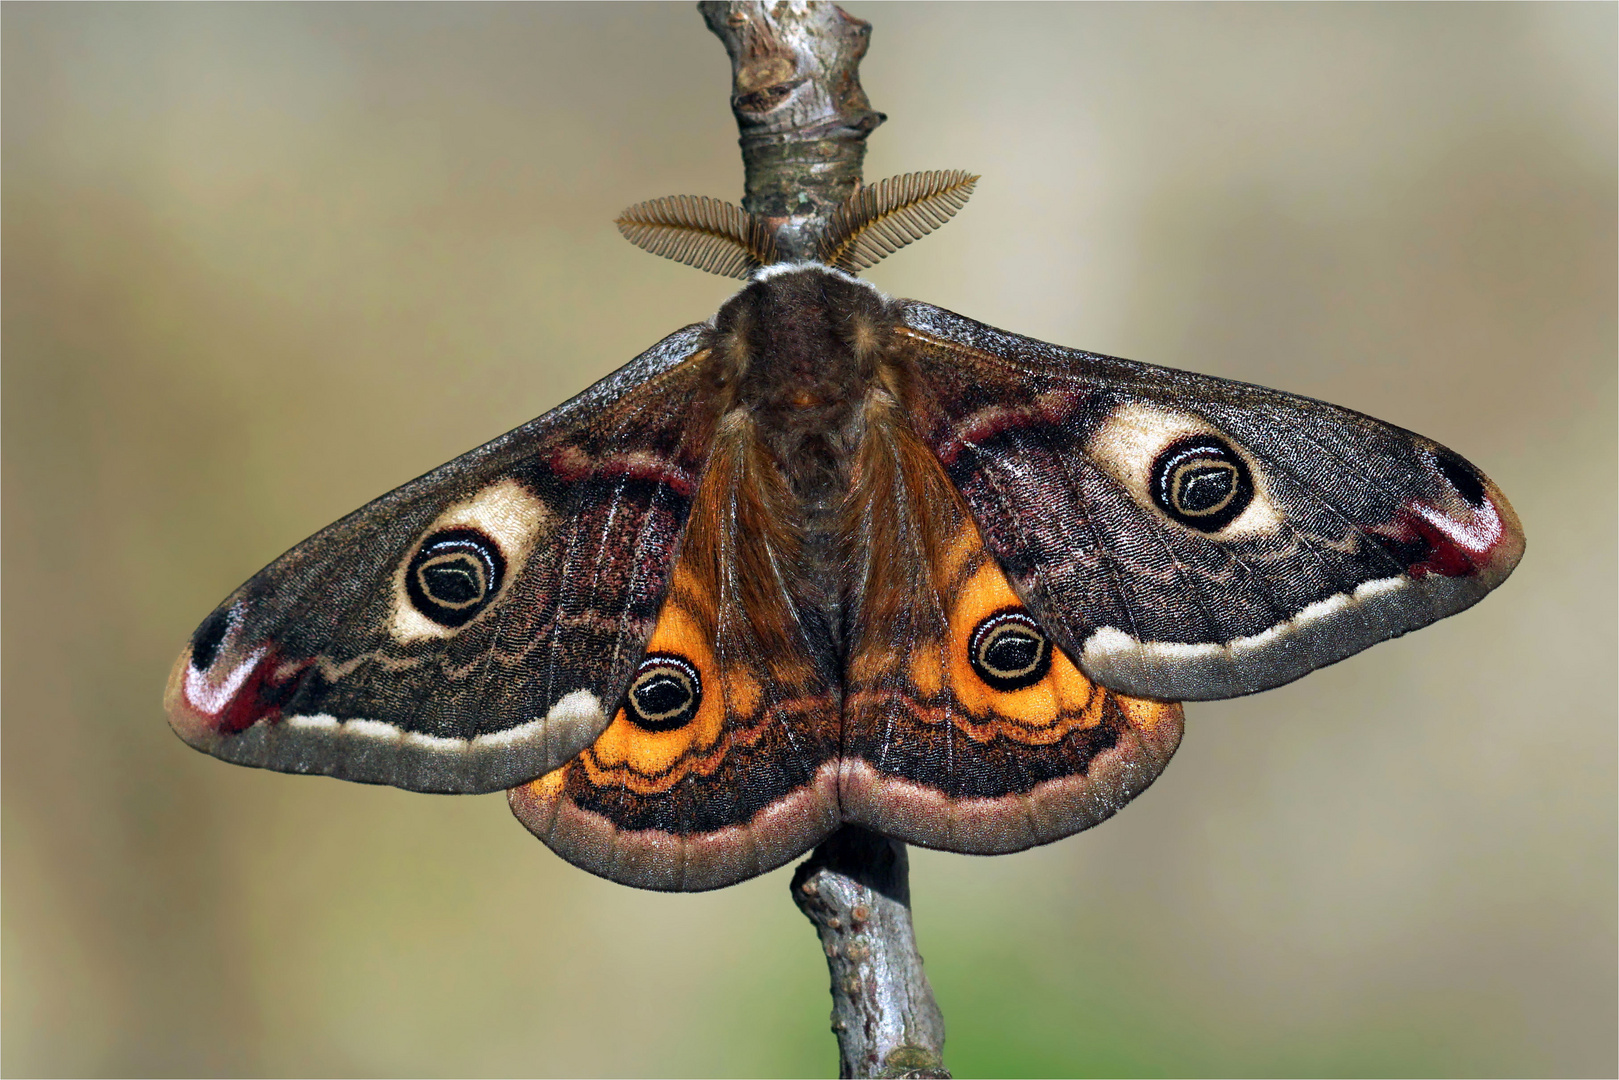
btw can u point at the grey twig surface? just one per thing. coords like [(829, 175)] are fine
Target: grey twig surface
[(803, 120), (856, 889)]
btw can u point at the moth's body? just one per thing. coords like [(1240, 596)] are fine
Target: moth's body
[(832, 557), (794, 356)]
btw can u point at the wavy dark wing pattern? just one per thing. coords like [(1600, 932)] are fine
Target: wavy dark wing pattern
[(1190, 538), (474, 628)]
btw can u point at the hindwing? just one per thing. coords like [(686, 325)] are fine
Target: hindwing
[(720, 762), (966, 727)]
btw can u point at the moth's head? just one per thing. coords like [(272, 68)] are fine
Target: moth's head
[(873, 223), (783, 269)]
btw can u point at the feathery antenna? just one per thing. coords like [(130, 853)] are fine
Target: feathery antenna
[(877, 221), (711, 235), (869, 226)]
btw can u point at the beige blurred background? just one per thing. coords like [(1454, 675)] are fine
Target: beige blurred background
[(264, 262)]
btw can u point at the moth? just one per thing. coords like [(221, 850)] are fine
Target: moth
[(835, 557)]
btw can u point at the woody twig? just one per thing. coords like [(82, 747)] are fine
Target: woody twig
[(803, 120), (802, 115)]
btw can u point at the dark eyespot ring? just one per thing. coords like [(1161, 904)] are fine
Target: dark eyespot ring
[(1461, 476), (664, 694), (454, 575), (1202, 483), (1009, 651)]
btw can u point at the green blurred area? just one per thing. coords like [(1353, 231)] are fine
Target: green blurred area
[(264, 262)]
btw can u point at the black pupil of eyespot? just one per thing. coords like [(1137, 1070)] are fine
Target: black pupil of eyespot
[(663, 693), (1012, 651), (456, 580), (1204, 487)]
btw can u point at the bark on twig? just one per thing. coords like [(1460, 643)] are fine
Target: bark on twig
[(855, 888), (803, 120)]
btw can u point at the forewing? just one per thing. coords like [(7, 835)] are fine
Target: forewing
[(1189, 538), (472, 629)]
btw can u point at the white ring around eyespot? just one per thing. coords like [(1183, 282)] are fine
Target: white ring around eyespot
[(1127, 444), (505, 512)]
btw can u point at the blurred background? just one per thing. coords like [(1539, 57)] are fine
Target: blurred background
[(265, 262)]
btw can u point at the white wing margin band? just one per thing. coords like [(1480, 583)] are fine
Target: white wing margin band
[(1323, 632), (375, 751)]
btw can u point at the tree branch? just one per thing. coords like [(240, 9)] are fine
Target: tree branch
[(856, 889), (803, 120)]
